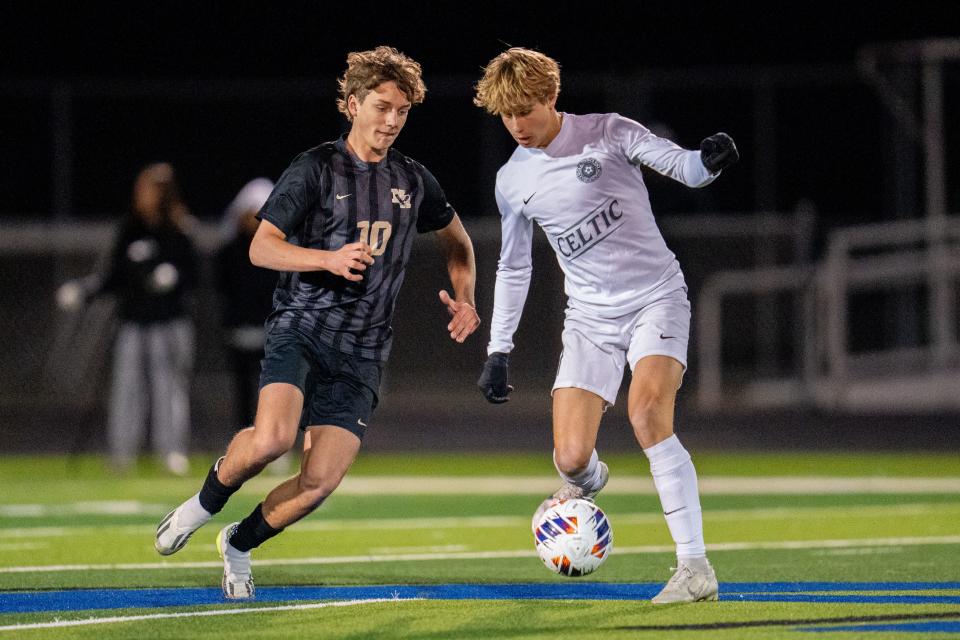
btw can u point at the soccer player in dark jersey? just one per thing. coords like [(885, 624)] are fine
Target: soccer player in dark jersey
[(339, 225)]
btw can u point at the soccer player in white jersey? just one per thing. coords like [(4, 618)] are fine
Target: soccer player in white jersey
[(578, 177)]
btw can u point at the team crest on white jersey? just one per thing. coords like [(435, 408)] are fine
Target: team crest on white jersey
[(401, 197), (589, 169)]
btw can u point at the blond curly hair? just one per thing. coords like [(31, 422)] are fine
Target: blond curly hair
[(366, 70)]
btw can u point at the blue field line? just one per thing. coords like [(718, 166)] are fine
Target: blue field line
[(902, 627), (786, 587), (90, 599), (813, 592), (859, 598)]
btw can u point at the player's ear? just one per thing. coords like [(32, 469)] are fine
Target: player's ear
[(352, 105), (552, 101)]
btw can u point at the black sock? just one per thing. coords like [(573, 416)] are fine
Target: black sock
[(252, 531), (214, 493)]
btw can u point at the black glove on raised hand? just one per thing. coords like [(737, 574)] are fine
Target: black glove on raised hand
[(717, 152), (493, 381)]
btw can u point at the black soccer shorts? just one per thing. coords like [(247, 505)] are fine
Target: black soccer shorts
[(338, 388)]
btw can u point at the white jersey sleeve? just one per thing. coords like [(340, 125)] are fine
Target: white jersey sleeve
[(585, 190), (640, 146), (513, 276)]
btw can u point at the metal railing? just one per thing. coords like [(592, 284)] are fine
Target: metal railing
[(825, 371)]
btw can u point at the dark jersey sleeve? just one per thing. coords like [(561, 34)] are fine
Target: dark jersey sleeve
[(435, 212), (294, 194)]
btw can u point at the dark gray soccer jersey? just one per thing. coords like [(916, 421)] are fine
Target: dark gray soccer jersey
[(328, 198)]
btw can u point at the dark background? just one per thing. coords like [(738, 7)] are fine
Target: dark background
[(310, 38), (230, 91), (227, 91)]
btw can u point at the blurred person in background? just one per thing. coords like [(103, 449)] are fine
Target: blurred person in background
[(246, 295), (246, 292), (151, 270), (578, 177)]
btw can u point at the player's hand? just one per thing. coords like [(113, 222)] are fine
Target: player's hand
[(718, 151), (464, 318), (70, 296), (350, 258), (493, 381)]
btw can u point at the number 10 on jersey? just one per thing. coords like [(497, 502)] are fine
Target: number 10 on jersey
[(376, 235)]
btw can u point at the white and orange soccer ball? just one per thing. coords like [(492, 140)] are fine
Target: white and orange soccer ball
[(573, 537)]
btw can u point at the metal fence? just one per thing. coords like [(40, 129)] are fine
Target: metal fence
[(55, 365)]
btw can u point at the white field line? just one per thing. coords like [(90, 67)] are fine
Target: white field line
[(709, 485), (39, 532), (486, 522), (535, 485), (98, 507), (860, 551), (486, 555), (437, 548), (7, 547), (195, 614)]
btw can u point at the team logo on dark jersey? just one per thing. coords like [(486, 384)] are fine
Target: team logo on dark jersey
[(401, 197), (589, 170)]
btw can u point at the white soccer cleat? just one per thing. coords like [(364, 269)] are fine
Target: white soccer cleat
[(569, 492), (694, 581), (237, 579), (175, 529)]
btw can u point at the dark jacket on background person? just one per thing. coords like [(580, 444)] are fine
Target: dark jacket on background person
[(139, 273)]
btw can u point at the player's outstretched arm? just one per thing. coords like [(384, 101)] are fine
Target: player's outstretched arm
[(462, 268), (718, 151), (270, 250)]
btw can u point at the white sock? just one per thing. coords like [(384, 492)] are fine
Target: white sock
[(589, 479), (676, 482), (192, 514)]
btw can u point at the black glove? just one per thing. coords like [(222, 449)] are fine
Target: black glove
[(717, 152), (493, 381)]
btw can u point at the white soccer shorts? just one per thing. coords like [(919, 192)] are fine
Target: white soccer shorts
[(596, 349)]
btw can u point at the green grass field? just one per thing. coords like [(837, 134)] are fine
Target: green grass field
[(858, 531)]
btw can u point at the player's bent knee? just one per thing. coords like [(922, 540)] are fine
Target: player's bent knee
[(643, 418), (269, 447), (572, 460), (648, 402)]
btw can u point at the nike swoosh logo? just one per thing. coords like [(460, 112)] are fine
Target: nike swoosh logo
[(663, 337), (341, 197), (667, 513), (530, 198), (361, 422)]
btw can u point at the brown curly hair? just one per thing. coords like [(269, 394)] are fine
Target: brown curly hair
[(366, 70)]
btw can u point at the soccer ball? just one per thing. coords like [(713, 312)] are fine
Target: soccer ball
[(573, 537)]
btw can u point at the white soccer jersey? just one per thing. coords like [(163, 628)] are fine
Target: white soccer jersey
[(586, 191)]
